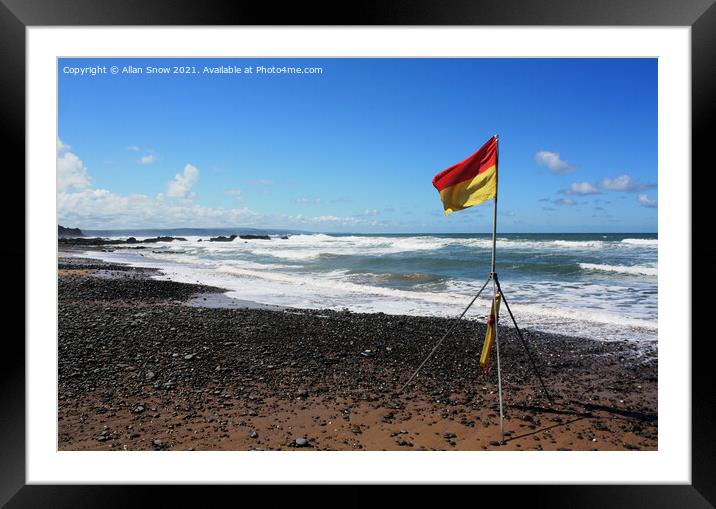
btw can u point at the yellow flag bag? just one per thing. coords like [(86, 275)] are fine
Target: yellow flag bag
[(490, 334)]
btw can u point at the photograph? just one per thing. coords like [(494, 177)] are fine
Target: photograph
[(357, 254)]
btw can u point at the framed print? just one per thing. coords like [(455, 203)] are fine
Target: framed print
[(423, 245)]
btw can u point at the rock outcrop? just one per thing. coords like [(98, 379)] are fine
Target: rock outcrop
[(64, 232)]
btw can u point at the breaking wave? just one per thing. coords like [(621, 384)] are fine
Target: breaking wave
[(622, 269)]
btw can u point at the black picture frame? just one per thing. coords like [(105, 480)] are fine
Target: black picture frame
[(17, 15)]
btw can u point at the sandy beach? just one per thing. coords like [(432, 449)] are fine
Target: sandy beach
[(148, 364)]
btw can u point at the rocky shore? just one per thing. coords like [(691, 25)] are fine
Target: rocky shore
[(68, 242), (141, 369)]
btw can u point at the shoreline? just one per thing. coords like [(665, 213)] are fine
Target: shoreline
[(148, 364), (570, 326)]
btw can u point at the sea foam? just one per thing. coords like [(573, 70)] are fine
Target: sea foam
[(622, 269)]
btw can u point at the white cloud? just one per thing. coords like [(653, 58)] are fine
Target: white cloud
[(148, 158), (563, 201), (582, 188), (553, 162), (236, 193), (624, 183), (300, 219), (100, 208), (78, 205), (371, 212), (308, 201), (331, 219), (182, 184), (646, 202), (61, 146), (71, 171)]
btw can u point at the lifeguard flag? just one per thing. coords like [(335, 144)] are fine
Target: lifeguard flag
[(470, 182), (490, 333)]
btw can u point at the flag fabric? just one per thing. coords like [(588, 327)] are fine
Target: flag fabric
[(470, 182), (490, 334)]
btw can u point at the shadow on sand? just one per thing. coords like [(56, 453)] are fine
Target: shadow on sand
[(589, 407)]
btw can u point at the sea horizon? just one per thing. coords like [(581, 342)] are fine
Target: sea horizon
[(276, 229)]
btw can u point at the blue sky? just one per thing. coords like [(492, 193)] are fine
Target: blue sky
[(353, 148)]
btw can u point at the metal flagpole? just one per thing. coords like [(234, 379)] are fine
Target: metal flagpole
[(494, 291)]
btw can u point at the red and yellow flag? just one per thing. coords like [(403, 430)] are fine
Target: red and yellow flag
[(470, 182)]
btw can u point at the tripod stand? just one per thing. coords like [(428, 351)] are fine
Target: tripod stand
[(496, 288), (470, 184)]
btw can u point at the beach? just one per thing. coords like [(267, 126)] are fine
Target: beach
[(149, 363)]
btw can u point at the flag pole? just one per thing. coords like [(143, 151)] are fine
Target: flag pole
[(494, 292)]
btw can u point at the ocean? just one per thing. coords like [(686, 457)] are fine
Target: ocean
[(600, 286)]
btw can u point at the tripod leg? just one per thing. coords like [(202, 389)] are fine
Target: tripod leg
[(524, 344), (456, 320)]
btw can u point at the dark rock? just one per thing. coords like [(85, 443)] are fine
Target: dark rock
[(221, 238), (97, 241), (64, 232)]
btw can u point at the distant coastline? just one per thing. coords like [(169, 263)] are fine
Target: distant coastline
[(188, 231)]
